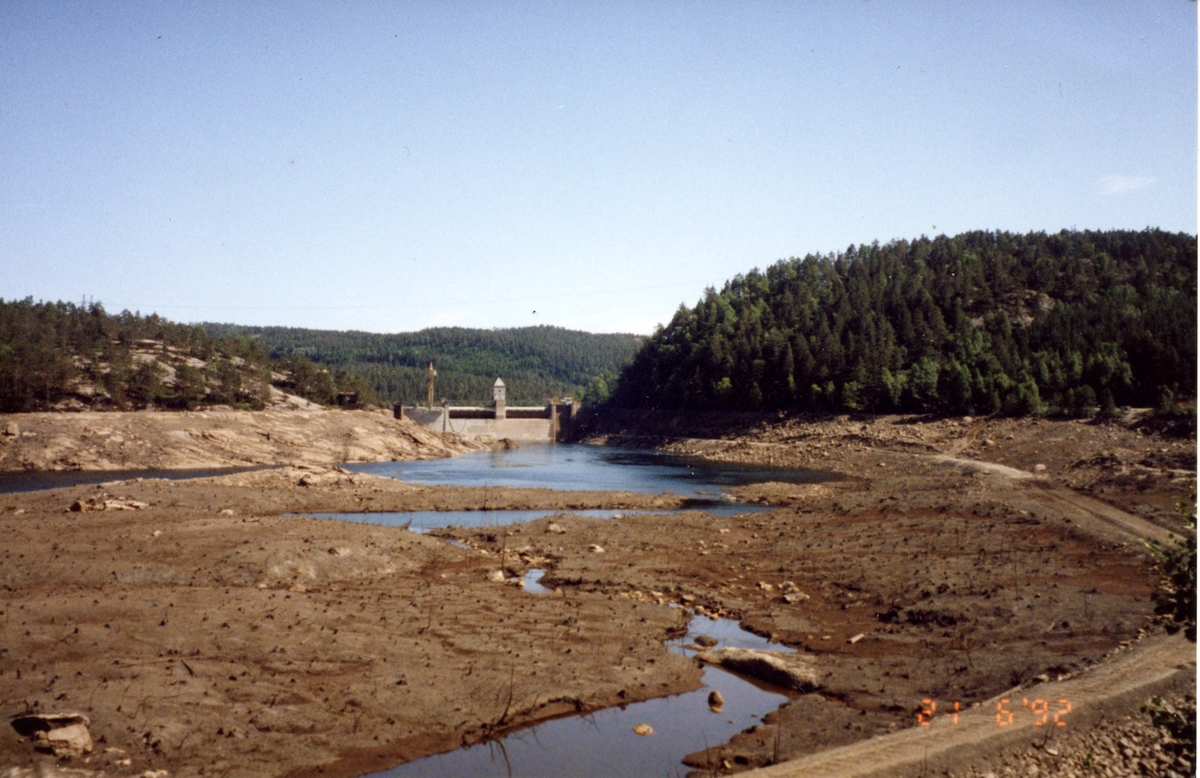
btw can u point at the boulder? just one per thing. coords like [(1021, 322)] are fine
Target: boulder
[(790, 671), (62, 734)]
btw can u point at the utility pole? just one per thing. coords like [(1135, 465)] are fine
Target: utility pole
[(432, 375)]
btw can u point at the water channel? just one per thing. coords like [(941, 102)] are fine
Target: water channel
[(602, 743), (37, 480)]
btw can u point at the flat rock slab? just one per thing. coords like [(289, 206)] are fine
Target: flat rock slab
[(790, 671)]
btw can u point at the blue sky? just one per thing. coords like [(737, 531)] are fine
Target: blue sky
[(393, 166)]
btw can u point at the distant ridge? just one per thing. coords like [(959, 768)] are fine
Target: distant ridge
[(535, 362)]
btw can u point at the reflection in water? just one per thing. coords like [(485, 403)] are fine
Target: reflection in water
[(531, 582), (604, 744)]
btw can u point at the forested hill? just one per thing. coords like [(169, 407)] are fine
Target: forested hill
[(62, 356), (535, 362), (984, 321)]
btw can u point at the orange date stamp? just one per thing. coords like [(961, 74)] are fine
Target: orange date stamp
[(1036, 712)]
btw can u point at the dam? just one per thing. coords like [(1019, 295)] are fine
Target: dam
[(549, 423)]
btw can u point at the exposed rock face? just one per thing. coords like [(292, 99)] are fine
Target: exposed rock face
[(213, 439), (791, 671)]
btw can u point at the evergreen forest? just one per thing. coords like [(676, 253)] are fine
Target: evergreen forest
[(984, 322), (62, 355), (536, 363), (51, 353)]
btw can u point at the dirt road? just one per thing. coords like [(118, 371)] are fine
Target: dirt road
[(950, 741)]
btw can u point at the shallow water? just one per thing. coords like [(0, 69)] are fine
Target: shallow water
[(532, 582), (582, 467), (604, 744), (38, 480)]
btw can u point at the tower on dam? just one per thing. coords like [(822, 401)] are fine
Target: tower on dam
[(498, 398)]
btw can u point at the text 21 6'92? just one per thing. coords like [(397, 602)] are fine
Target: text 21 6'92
[(1038, 712)]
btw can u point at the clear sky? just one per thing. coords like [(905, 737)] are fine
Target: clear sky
[(393, 166)]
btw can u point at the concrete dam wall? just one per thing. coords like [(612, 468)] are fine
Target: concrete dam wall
[(551, 423)]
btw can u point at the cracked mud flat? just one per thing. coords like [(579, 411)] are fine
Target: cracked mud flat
[(238, 641)]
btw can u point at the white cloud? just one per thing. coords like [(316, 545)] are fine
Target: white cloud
[(1110, 185)]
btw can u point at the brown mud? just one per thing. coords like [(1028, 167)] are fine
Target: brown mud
[(203, 632)]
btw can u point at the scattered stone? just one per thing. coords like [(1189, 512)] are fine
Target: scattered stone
[(325, 477), (856, 638), (12, 430), (643, 729), (715, 701), (62, 734), (339, 551), (791, 598), (1039, 468), (707, 641), (102, 504), (791, 671), (555, 528), (496, 576), (766, 587), (596, 549), (124, 505), (227, 512)]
